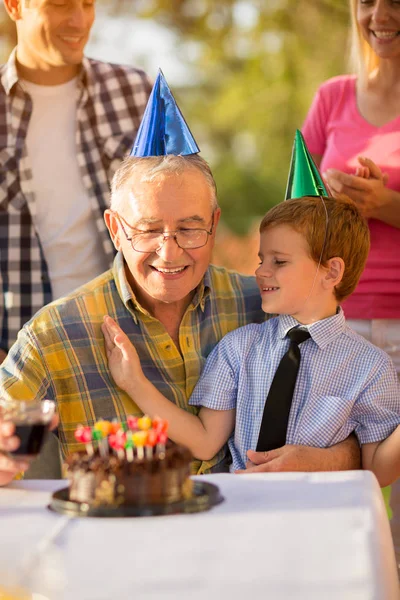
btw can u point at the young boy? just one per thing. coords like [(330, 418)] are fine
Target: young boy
[(312, 253)]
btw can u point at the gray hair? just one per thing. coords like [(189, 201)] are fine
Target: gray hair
[(151, 167)]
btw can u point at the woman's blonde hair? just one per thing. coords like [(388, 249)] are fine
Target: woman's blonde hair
[(363, 59)]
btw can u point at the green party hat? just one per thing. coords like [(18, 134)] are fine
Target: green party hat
[(304, 176)]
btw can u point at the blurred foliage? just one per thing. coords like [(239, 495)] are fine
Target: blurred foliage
[(254, 66)]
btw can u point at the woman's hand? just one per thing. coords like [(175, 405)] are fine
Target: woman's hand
[(10, 466), (367, 188), (123, 360)]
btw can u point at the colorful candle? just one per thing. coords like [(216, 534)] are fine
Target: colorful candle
[(139, 439), (144, 423)]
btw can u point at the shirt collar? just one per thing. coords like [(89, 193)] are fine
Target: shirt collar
[(10, 75), (202, 292), (322, 332), (128, 297)]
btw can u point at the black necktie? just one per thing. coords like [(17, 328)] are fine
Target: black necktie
[(277, 406)]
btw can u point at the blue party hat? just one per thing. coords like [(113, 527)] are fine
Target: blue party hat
[(163, 129)]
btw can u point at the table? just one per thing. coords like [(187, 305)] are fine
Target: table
[(306, 536)]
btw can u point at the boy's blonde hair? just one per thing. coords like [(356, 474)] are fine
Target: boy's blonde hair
[(346, 234)]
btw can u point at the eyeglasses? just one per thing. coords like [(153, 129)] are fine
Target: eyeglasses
[(151, 241)]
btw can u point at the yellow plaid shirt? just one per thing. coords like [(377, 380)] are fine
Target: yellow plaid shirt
[(60, 354)]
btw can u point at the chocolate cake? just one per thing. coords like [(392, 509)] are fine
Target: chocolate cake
[(123, 478)]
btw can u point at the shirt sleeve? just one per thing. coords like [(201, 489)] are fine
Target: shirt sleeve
[(314, 127), (217, 386), (376, 412), (22, 373)]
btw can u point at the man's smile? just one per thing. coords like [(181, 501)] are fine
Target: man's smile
[(169, 270)]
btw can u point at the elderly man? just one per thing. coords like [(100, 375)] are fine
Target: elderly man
[(162, 291)]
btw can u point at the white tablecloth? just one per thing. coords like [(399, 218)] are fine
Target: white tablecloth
[(322, 536)]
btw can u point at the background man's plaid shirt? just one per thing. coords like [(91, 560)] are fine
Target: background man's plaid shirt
[(110, 103), (60, 353)]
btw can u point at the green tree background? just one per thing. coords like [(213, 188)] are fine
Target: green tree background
[(254, 66)]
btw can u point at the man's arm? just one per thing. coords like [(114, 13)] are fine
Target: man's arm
[(341, 457), (3, 355)]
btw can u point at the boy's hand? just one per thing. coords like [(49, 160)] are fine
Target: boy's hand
[(367, 188), (123, 360)]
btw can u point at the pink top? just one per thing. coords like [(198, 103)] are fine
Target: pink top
[(335, 130)]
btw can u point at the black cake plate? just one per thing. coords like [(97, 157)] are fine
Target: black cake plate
[(205, 496)]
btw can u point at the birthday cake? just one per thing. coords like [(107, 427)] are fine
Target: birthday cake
[(130, 463)]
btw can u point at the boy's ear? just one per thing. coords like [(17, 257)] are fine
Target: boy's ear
[(334, 272), (13, 8)]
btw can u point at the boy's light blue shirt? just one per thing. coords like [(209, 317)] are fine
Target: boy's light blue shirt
[(344, 384)]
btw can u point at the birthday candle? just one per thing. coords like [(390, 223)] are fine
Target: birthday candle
[(132, 422), (144, 423), (103, 426), (115, 426), (161, 443), (160, 424), (139, 439), (129, 446), (102, 443), (151, 441), (84, 435), (117, 443)]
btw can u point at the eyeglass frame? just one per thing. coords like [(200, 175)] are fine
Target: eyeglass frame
[(166, 235)]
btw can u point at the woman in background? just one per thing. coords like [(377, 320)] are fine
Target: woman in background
[(353, 132)]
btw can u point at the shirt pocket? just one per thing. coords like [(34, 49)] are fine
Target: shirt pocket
[(324, 420)]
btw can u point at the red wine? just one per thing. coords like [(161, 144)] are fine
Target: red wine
[(32, 436)]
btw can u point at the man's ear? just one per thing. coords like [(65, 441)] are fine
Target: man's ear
[(334, 272), (112, 226), (217, 215), (13, 8)]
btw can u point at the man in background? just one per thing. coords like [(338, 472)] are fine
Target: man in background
[(66, 123)]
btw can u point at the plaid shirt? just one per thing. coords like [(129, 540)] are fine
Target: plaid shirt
[(344, 384), (110, 102), (60, 353)]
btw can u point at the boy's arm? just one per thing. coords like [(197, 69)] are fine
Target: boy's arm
[(383, 458), (204, 434), (376, 418), (340, 457)]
